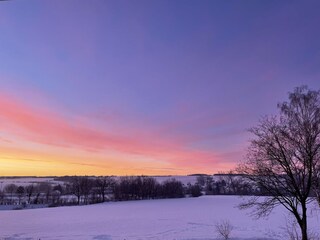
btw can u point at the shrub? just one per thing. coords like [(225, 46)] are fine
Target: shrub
[(224, 229)]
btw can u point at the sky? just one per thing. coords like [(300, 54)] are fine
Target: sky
[(151, 87)]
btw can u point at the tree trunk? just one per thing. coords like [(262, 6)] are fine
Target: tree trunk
[(303, 223), (304, 232), (103, 197)]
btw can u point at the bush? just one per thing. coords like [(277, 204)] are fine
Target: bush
[(195, 190), (224, 229)]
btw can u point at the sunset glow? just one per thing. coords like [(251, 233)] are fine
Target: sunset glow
[(154, 88)]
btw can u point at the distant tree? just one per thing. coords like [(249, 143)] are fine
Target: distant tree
[(173, 189), (55, 197), (20, 193), (2, 197), (136, 187), (76, 188), (37, 193), (149, 186), (209, 186), (58, 188), (86, 185), (284, 156), (10, 189), (82, 187), (195, 190), (29, 189), (234, 184), (201, 180), (46, 189), (124, 188)]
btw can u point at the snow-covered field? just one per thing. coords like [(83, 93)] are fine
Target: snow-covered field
[(168, 219), (24, 181), (183, 179)]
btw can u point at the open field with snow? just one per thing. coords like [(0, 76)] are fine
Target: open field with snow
[(24, 181), (169, 219)]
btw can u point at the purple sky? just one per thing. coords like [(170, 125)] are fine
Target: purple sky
[(146, 87)]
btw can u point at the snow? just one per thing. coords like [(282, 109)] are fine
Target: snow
[(169, 219), (183, 179), (24, 181)]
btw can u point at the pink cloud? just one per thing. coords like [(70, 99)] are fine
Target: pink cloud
[(41, 125)]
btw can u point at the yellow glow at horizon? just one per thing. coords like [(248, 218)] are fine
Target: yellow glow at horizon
[(31, 159), (20, 167)]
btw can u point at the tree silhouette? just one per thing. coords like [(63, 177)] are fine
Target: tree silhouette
[(283, 158)]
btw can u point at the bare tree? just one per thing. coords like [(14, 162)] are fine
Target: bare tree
[(148, 188), (284, 155), (86, 185), (103, 184), (2, 197), (201, 180), (224, 229), (76, 188), (46, 188), (20, 193), (10, 188), (81, 187), (29, 191)]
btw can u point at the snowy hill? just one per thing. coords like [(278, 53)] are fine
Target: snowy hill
[(180, 219)]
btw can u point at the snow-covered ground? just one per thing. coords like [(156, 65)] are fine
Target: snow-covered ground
[(168, 219), (24, 181), (184, 179)]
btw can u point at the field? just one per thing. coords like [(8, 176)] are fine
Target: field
[(23, 181), (168, 219)]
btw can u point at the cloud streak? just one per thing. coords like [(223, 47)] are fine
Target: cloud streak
[(32, 123)]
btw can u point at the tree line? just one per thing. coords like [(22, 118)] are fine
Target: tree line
[(39, 193), (227, 184), (82, 190)]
